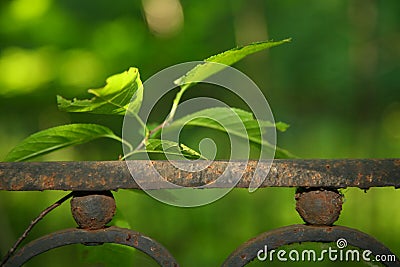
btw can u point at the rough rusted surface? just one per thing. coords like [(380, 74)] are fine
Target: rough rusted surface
[(111, 175), (293, 234), (107, 235), (93, 210), (319, 206)]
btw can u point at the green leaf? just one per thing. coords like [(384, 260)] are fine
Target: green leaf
[(114, 98), (281, 126), (170, 148), (55, 138), (223, 119), (202, 71)]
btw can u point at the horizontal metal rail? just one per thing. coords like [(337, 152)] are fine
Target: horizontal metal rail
[(317, 201), (112, 175)]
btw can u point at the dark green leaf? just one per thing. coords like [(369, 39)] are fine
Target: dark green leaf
[(231, 121), (55, 138)]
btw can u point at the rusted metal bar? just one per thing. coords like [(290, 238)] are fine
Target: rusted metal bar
[(108, 235), (343, 236), (112, 175)]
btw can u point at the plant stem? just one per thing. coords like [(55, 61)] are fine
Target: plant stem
[(141, 122), (162, 125), (32, 224), (116, 137), (131, 153), (143, 142), (176, 103)]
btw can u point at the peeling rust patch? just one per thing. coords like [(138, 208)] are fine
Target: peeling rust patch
[(93, 210), (318, 206), (49, 181)]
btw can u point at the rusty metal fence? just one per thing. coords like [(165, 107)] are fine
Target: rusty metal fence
[(318, 201)]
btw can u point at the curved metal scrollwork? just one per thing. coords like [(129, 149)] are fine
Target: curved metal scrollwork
[(107, 235), (274, 239)]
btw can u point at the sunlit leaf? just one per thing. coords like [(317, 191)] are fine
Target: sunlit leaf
[(55, 138), (281, 126), (114, 98), (202, 71), (170, 148)]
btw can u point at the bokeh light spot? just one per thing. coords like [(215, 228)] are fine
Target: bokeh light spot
[(24, 70), (29, 9), (80, 68), (164, 17)]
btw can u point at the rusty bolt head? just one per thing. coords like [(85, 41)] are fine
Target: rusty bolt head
[(93, 210), (319, 206)]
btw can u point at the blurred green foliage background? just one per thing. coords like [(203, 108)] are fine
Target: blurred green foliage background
[(337, 84)]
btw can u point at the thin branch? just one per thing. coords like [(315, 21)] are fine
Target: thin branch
[(143, 142), (176, 101), (33, 223)]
